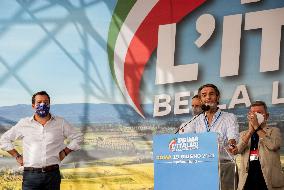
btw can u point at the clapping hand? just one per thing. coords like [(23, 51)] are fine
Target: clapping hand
[(253, 123)]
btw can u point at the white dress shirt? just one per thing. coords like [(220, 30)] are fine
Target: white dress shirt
[(42, 144), (223, 123)]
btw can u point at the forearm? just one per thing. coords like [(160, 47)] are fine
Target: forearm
[(67, 150), (63, 153), (247, 136), (233, 131), (243, 142), (19, 158), (74, 136), (13, 153)]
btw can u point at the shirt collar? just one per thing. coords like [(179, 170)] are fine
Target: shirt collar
[(215, 114), (51, 118)]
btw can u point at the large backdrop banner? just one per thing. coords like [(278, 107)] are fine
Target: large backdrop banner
[(122, 71)]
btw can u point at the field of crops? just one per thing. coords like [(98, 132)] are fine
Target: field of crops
[(120, 177), (120, 172), (124, 177)]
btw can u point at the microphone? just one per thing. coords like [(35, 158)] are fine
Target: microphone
[(204, 109)]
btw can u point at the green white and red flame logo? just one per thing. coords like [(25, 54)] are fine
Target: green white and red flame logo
[(133, 36), (172, 143)]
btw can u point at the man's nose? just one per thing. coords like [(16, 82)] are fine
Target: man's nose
[(207, 97)]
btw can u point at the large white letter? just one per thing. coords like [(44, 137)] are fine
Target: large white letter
[(165, 104), (231, 45), (275, 93), (179, 103), (166, 72), (241, 90), (271, 22), (205, 26)]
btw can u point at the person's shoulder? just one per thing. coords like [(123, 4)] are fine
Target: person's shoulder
[(190, 121), (57, 118), (273, 129), (228, 114), (194, 120), (25, 119)]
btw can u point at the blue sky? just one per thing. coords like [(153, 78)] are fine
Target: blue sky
[(47, 48), (61, 48)]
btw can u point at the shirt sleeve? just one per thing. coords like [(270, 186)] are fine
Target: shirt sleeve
[(74, 135), (7, 139), (241, 144), (273, 139), (233, 128)]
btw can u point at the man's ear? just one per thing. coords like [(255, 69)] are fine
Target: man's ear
[(33, 106)]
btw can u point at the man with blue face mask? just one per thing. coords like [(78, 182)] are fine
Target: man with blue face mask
[(43, 137), (42, 109)]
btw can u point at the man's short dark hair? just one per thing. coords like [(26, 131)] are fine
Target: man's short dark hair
[(209, 85), (40, 93), (259, 103)]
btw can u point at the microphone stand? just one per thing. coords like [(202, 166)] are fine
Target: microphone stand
[(190, 121), (232, 158), (204, 108)]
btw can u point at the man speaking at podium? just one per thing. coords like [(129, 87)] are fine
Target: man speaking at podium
[(212, 119)]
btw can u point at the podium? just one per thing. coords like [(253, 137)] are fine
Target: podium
[(187, 161)]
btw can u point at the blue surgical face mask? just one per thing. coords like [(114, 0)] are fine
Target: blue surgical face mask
[(42, 109)]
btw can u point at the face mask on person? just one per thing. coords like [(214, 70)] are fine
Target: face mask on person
[(42, 109), (212, 105), (196, 111), (260, 118)]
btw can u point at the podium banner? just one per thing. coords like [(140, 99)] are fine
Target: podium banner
[(188, 161)]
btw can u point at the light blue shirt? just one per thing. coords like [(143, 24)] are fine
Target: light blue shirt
[(223, 123)]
